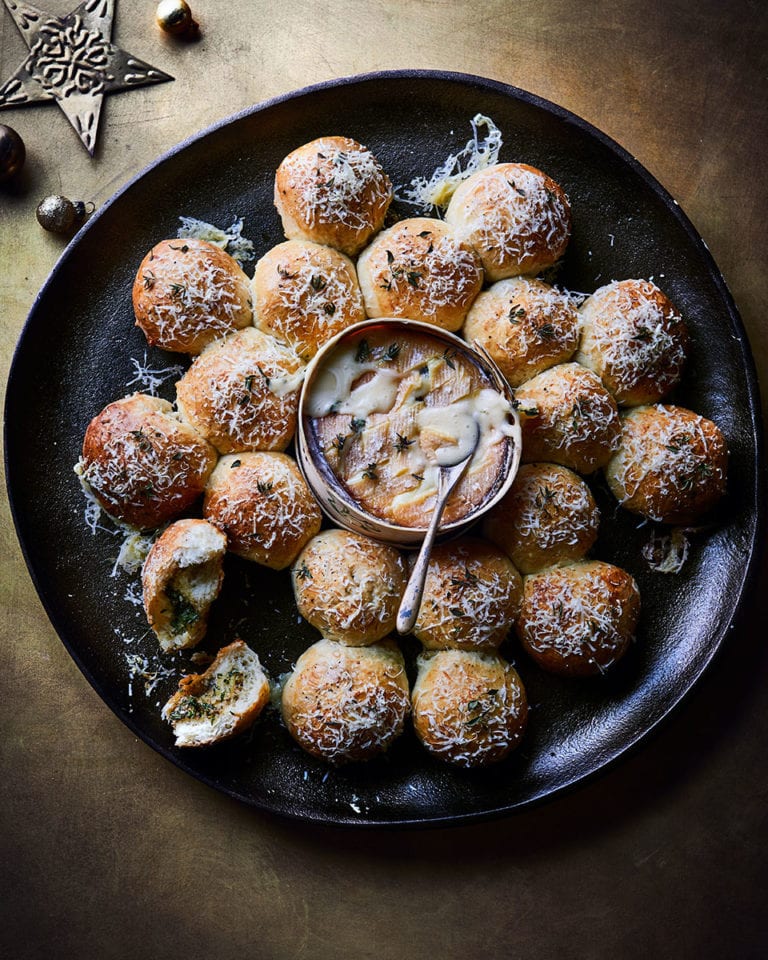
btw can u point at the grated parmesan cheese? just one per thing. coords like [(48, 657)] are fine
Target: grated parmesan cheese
[(230, 240), (666, 553), (148, 379), (434, 193)]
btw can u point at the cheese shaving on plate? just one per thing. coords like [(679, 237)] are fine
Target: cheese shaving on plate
[(477, 154)]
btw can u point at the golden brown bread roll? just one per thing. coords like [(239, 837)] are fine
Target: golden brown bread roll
[(578, 620), (304, 294), (345, 703), (468, 708), (332, 191), (263, 505), (420, 270), (220, 703), (143, 464), (472, 595), (181, 578), (349, 586), (634, 339), (525, 325), (516, 217), (242, 393), (549, 517), (671, 464), (188, 293), (568, 417)]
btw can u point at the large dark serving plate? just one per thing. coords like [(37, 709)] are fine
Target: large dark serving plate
[(74, 357)]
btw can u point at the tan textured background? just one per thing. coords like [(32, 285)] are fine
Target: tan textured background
[(106, 850)]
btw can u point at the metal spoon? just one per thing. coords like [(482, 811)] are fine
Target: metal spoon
[(447, 479)]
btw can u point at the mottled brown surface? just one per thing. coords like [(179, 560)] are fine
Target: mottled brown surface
[(107, 850)]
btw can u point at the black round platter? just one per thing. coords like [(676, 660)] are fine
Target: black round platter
[(75, 356)]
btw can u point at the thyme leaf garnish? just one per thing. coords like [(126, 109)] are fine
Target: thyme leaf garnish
[(363, 352)]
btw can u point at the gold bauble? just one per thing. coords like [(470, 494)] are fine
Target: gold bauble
[(60, 214), (175, 16)]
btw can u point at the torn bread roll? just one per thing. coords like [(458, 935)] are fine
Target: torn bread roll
[(181, 578), (220, 703)]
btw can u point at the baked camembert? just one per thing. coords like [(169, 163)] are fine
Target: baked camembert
[(389, 405)]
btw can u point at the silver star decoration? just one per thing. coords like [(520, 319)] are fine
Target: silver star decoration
[(73, 62)]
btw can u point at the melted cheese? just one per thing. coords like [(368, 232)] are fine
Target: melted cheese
[(387, 415), (437, 190)]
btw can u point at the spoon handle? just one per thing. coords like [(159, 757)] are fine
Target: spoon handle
[(409, 605)]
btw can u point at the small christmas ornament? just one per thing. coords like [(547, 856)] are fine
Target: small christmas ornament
[(61, 215), (12, 153), (175, 17), (72, 62)]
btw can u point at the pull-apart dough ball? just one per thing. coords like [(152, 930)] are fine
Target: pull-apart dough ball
[(525, 325), (349, 587), (220, 703), (242, 393), (263, 505), (181, 578), (671, 465), (332, 191), (516, 217), (143, 465), (472, 595), (304, 294), (468, 708), (548, 517), (188, 293), (578, 620), (420, 270), (346, 703), (634, 339), (568, 417)]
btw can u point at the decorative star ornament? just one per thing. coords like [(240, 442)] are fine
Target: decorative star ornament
[(73, 62)]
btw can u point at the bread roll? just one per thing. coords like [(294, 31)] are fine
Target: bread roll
[(420, 270), (578, 620), (346, 703), (549, 517), (304, 294), (516, 217), (671, 464), (634, 339), (525, 325), (568, 417), (472, 595), (141, 463), (349, 587), (263, 505), (188, 293), (181, 578), (332, 191), (242, 393), (220, 703), (468, 708)]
